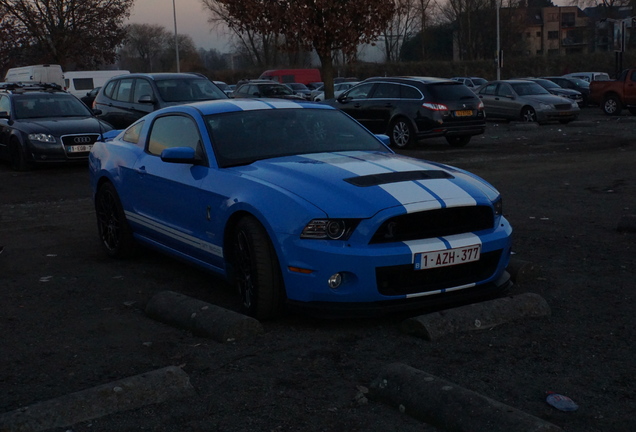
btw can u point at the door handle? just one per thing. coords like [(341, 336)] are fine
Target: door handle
[(141, 170)]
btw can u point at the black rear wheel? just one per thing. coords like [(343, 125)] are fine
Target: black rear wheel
[(256, 270), (612, 105), (112, 226), (402, 133)]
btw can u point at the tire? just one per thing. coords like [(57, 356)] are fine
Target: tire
[(612, 105), (458, 141), (402, 133), (528, 115), (113, 229), (256, 270), (17, 158)]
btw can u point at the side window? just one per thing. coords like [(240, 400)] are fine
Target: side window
[(109, 90), (5, 104), (142, 88), (408, 92), (386, 91), (490, 89), (173, 131), (504, 90), (124, 91), (132, 133), (360, 92)]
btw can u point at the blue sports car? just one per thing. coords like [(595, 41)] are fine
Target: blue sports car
[(298, 205)]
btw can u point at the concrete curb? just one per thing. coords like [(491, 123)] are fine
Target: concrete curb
[(201, 318), (521, 271), (477, 316), (449, 407), (627, 223), (126, 394)]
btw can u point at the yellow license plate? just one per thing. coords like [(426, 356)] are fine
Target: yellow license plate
[(464, 113)]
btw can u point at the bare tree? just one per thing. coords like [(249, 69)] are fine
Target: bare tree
[(144, 45), (405, 23), (72, 33)]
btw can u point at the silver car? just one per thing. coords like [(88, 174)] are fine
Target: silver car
[(526, 101)]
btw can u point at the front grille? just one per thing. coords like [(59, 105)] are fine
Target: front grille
[(434, 223), (404, 279), (81, 143)]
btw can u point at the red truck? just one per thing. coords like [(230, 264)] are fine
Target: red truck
[(612, 96)]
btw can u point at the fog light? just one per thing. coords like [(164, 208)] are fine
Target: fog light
[(335, 281)]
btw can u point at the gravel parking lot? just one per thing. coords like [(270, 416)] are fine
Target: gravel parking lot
[(73, 319)]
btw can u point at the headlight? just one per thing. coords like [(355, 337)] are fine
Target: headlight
[(546, 106), (329, 229), (42, 137), (498, 206)]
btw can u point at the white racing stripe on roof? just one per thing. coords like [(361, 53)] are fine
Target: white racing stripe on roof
[(247, 104)]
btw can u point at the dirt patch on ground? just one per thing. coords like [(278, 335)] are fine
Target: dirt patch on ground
[(73, 319)]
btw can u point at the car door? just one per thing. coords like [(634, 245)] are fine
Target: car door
[(5, 129), (355, 102), (492, 105), (507, 102), (172, 210), (383, 102), (629, 90)]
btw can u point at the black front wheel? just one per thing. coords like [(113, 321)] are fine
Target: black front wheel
[(113, 229), (528, 115), (17, 158), (612, 105), (256, 270)]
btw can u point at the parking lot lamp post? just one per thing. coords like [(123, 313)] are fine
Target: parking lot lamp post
[(176, 39)]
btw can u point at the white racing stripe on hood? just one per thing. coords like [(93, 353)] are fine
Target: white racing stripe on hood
[(404, 192), (440, 188)]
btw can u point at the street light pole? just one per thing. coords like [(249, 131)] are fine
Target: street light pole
[(176, 39)]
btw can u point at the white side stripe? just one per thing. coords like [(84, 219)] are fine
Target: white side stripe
[(176, 234)]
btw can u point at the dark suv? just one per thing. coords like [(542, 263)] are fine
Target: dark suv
[(410, 108), (126, 98)]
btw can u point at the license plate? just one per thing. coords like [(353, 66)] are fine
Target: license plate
[(448, 257), (463, 113), (79, 148)]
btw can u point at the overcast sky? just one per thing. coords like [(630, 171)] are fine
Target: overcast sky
[(191, 20)]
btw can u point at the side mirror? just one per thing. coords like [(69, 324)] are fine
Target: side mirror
[(146, 99), (97, 111), (185, 155)]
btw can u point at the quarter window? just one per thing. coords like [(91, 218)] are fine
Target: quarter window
[(409, 92), (173, 131), (132, 133)]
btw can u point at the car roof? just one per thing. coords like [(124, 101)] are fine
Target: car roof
[(410, 79), (163, 75), (219, 106)]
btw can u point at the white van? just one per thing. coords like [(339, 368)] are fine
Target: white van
[(44, 73), (81, 82), (589, 76)]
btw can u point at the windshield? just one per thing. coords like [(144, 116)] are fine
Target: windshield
[(186, 90), (269, 90), (529, 88), (547, 84), (241, 138), (42, 105)]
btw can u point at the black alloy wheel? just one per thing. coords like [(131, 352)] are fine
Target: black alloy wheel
[(113, 229)]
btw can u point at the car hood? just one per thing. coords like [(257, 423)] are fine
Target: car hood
[(565, 92), (359, 184), (63, 125), (548, 99)]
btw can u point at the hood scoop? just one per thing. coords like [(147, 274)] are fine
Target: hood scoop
[(396, 177)]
